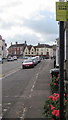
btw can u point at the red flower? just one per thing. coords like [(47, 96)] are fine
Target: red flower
[(56, 113), (55, 94), (51, 96), (52, 107), (54, 97), (55, 84), (57, 80)]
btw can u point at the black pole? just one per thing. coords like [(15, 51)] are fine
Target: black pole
[(61, 65)]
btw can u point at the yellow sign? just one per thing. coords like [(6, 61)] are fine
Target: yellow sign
[(67, 11), (62, 11)]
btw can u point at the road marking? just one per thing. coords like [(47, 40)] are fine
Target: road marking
[(0, 78), (39, 68), (4, 110), (0, 104), (30, 96), (23, 114), (37, 76), (9, 103), (0, 117), (9, 73), (34, 83)]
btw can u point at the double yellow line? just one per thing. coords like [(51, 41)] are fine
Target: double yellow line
[(10, 72)]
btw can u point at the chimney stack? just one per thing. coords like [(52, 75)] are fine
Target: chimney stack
[(38, 44), (11, 43), (16, 43), (25, 42)]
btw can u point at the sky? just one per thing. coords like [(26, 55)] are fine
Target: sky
[(33, 21)]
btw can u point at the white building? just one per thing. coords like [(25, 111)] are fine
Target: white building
[(57, 52), (40, 49), (3, 49)]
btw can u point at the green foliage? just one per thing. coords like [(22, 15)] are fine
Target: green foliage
[(54, 84), (52, 104)]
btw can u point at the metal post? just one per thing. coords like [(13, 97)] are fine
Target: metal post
[(61, 64)]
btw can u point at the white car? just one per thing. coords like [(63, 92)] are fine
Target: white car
[(15, 57), (34, 60), (10, 59), (27, 63), (1, 60)]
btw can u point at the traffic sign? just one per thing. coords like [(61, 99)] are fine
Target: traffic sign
[(61, 11), (67, 11)]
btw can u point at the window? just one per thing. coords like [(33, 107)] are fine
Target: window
[(41, 49), (0, 50), (2, 47), (37, 49), (41, 53), (47, 49), (32, 52)]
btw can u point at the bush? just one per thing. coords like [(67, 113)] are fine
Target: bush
[(51, 106), (54, 84)]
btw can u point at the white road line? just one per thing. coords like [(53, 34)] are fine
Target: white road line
[(9, 103), (34, 83), (39, 68), (30, 96), (31, 90), (23, 114), (0, 117), (4, 110), (0, 78)]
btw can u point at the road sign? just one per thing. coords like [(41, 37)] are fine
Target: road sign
[(67, 11), (61, 11)]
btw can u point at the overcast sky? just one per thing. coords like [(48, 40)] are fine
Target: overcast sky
[(33, 21)]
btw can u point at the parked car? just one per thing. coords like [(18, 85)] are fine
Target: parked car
[(27, 63), (10, 59), (15, 57), (1, 60), (38, 59), (34, 60)]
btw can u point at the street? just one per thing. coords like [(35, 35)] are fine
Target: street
[(24, 91)]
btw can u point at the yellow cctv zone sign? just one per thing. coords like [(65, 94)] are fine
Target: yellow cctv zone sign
[(61, 11)]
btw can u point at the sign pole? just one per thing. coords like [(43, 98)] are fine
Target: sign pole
[(61, 65), (61, 15)]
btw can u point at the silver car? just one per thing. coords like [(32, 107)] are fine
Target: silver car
[(1, 60)]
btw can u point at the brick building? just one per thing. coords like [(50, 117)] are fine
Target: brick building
[(16, 49)]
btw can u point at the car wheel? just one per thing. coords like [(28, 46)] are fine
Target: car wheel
[(23, 67)]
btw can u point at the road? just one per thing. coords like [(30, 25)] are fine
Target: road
[(24, 91)]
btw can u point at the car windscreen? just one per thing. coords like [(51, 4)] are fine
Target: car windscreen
[(27, 61)]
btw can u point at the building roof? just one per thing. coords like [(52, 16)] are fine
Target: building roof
[(17, 45), (43, 45), (29, 46)]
